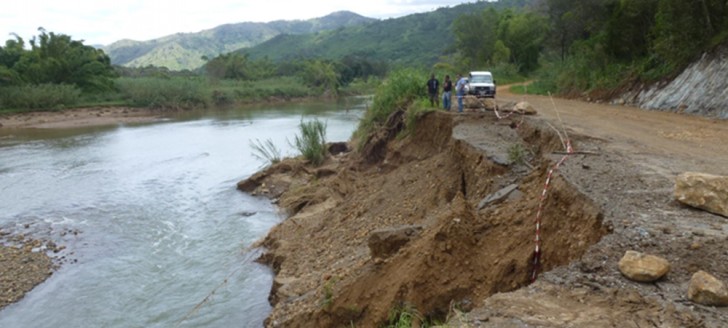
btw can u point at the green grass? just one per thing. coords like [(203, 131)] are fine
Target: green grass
[(405, 316), (399, 91), (312, 141), (534, 88), (266, 151), (39, 97), (174, 93), (171, 93)]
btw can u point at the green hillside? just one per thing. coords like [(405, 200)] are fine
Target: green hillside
[(418, 39), (185, 50)]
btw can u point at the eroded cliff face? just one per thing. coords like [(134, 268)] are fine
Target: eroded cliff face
[(702, 89), (459, 249)]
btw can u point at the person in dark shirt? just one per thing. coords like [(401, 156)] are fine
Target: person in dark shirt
[(446, 93), (433, 86)]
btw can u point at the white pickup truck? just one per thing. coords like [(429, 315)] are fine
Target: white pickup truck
[(481, 84)]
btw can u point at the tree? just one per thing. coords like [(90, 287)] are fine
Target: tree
[(475, 36), (9, 55), (524, 37), (56, 58), (627, 31), (320, 74), (684, 28)]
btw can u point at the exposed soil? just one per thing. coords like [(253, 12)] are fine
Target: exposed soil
[(472, 264), (79, 117)]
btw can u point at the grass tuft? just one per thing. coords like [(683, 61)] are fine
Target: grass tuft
[(266, 151), (312, 141)]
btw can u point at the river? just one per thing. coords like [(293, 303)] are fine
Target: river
[(156, 234)]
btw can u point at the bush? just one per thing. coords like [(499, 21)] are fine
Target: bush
[(312, 142), (174, 93), (40, 96), (400, 90)]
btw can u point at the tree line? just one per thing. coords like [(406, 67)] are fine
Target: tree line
[(587, 45), (55, 59)]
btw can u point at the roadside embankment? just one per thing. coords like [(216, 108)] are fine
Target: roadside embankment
[(417, 222), (702, 89)]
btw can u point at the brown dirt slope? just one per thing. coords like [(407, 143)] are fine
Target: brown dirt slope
[(471, 264)]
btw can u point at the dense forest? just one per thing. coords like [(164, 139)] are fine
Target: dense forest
[(570, 47)]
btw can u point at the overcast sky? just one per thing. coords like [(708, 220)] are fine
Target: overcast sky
[(104, 21)]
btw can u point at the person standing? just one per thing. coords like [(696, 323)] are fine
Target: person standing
[(460, 89), (446, 93), (433, 86)]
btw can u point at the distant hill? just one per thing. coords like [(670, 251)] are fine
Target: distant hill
[(185, 50), (417, 39)]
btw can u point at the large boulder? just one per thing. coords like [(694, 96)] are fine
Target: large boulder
[(642, 267), (479, 104), (386, 242), (707, 290), (705, 191)]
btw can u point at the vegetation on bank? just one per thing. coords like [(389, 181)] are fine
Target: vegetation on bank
[(58, 73), (569, 47)]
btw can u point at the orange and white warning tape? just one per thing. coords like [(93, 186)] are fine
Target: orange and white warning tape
[(539, 213)]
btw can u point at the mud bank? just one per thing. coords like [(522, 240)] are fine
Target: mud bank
[(404, 223)]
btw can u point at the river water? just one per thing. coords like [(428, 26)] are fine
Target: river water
[(156, 234)]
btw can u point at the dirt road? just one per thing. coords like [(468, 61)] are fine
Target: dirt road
[(666, 142)]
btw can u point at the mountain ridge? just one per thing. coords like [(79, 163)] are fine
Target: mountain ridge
[(185, 50), (416, 39)]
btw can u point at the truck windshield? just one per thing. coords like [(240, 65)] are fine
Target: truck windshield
[(481, 79)]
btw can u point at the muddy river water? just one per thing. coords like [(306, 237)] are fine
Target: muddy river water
[(156, 234)]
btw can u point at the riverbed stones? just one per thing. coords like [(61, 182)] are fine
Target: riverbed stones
[(705, 191), (643, 267), (384, 243), (706, 289)]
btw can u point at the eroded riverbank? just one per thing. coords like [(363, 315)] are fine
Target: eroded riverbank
[(404, 224)]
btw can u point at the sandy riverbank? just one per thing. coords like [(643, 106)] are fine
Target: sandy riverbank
[(97, 116)]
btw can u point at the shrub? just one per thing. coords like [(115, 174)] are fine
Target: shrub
[(40, 96), (402, 88), (312, 142), (173, 93)]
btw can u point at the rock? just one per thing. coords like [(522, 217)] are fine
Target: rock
[(705, 191), (471, 102), (281, 289), (707, 290), (642, 267), (336, 148), (507, 107), (488, 103), (384, 243), (479, 104), (525, 108), (497, 196)]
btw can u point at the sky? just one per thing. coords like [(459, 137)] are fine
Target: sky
[(101, 22)]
